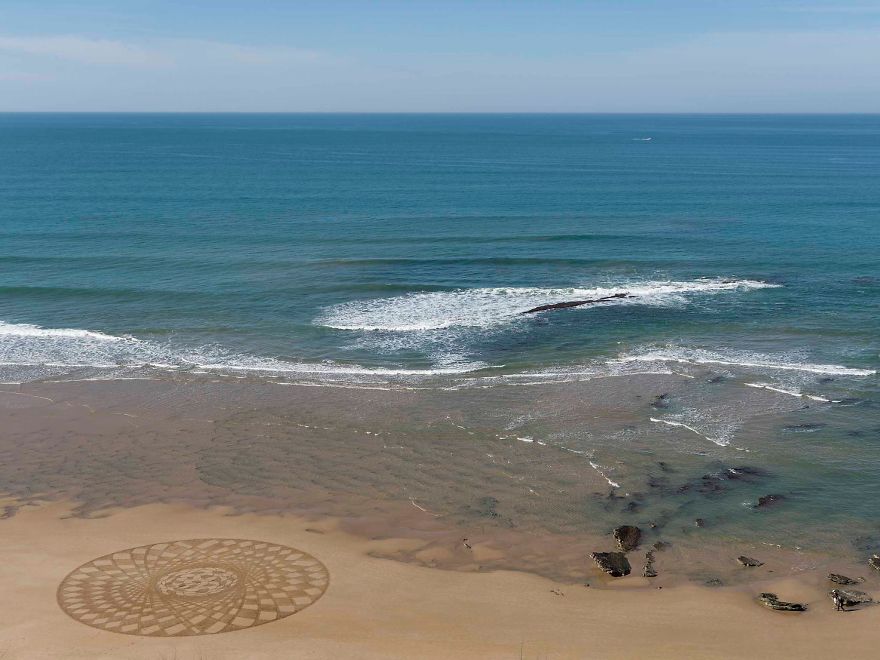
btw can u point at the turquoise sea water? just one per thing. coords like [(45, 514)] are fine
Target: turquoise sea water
[(401, 251), (412, 242)]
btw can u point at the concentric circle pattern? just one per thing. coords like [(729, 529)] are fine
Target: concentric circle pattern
[(194, 587)]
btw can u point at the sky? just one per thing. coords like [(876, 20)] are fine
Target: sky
[(440, 56)]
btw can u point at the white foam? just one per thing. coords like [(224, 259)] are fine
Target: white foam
[(29, 330), (794, 393), (601, 470), (743, 359), (721, 442), (68, 349), (491, 307)]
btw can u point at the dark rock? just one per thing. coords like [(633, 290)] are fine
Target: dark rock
[(661, 545), (874, 562), (486, 507), (663, 465), (803, 428), (614, 563), (575, 303), (767, 501), (850, 597), (699, 522), (713, 582), (837, 578), (745, 473), (661, 402), (749, 562), (627, 537), (772, 601), (716, 379), (649, 570)]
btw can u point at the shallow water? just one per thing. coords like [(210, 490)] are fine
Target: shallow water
[(400, 252)]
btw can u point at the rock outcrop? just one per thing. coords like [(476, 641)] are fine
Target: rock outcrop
[(649, 571), (850, 597), (627, 537), (575, 303), (772, 601), (837, 578), (874, 562), (749, 561), (614, 563)]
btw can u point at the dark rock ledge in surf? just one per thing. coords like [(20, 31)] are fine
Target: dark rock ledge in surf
[(576, 303)]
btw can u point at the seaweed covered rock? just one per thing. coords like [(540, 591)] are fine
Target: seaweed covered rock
[(614, 563), (772, 601), (627, 537), (837, 578), (749, 562)]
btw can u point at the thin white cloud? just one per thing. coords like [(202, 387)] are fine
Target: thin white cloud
[(104, 52)]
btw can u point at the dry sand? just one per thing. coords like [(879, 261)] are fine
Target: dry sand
[(376, 608)]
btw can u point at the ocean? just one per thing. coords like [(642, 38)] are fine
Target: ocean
[(402, 251)]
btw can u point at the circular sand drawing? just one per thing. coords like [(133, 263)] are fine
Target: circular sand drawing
[(195, 587)]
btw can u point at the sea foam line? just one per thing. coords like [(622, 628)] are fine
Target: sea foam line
[(746, 360), (794, 393), (720, 443)]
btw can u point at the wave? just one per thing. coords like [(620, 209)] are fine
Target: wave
[(741, 359), (66, 349), (493, 307), (29, 330)]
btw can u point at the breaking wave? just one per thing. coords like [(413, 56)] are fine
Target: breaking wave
[(493, 307)]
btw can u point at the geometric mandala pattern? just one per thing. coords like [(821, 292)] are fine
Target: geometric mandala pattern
[(194, 587)]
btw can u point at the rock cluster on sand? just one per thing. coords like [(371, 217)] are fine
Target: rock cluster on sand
[(850, 597), (649, 571), (627, 537), (874, 562), (772, 601), (749, 561), (614, 563)]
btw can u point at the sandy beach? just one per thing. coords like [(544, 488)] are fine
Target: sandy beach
[(376, 608)]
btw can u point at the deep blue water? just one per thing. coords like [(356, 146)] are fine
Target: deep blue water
[(415, 241)]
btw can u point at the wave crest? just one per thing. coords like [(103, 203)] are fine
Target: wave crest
[(492, 307)]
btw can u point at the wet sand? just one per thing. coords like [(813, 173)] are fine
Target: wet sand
[(448, 531)]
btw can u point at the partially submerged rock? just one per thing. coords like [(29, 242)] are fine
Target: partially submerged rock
[(772, 601), (769, 500), (837, 578), (850, 597), (874, 562), (699, 522), (749, 561), (627, 537), (649, 570), (614, 563), (714, 582)]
